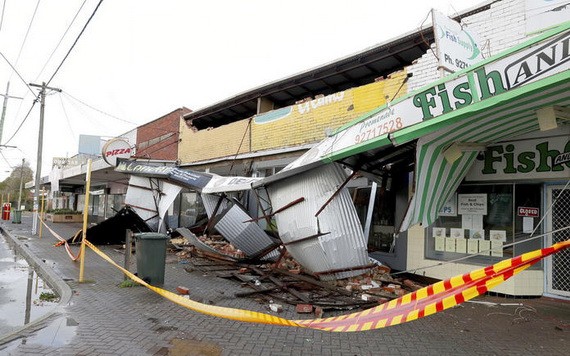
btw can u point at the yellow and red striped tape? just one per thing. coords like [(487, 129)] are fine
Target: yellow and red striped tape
[(63, 241), (412, 306)]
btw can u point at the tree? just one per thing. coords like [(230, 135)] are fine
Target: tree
[(11, 185)]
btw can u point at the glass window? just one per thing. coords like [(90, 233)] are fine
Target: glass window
[(191, 209), (381, 236), (482, 220)]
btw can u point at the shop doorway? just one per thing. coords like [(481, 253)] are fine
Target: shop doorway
[(558, 267)]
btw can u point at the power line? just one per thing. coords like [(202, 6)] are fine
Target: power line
[(24, 120), (2, 18), (66, 117), (5, 160), (61, 39), (26, 36), (75, 42), (98, 110), (15, 71)]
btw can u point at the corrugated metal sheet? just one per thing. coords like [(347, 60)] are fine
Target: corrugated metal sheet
[(247, 236), (344, 246)]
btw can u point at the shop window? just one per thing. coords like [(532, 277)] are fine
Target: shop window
[(191, 209), (485, 221), (114, 203), (382, 227)]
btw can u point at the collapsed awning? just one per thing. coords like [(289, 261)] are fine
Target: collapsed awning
[(458, 116)]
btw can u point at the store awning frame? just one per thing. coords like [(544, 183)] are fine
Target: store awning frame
[(500, 118)]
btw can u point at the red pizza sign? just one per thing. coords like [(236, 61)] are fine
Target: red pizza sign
[(528, 212), (116, 148)]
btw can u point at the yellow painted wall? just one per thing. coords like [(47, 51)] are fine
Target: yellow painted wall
[(307, 122), (291, 126), (212, 143)]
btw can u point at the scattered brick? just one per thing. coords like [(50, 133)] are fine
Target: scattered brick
[(304, 308), (182, 290), (318, 312)]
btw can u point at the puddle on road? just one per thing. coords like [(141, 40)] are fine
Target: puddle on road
[(58, 333), (182, 347), (20, 291)]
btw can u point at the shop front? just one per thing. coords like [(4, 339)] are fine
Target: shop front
[(457, 220), (514, 199), (492, 177)]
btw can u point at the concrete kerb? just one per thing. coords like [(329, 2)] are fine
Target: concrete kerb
[(49, 276)]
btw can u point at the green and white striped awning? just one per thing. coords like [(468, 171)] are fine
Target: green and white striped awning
[(502, 117)]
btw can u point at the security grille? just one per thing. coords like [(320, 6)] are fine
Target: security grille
[(561, 260)]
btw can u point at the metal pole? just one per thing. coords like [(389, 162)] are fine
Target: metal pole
[(42, 214), (28, 309), (39, 156), (85, 217), (371, 201), (39, 160), (6, 97), (21, 183), (128, 251), (4, 110)]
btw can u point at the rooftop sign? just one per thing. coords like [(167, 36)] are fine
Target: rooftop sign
[(116, 148), (456, 45)]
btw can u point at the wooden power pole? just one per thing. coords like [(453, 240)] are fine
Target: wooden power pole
[(43, 87)]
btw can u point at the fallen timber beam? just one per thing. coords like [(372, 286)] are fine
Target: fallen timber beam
[(314, 282), (283, 285)]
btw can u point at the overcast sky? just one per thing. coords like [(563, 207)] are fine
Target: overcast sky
[(139, 59)]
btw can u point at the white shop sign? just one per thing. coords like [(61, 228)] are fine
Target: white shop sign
[(541, 158), (457, 46), (472, 204)]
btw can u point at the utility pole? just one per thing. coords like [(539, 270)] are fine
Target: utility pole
[(21, 183), (6, 97), (43, 87)]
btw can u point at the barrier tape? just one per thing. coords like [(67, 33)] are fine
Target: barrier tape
[(224, 312), (63, 241), (423, 302)]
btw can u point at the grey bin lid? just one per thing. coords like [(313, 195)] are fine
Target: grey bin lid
[(150, 236)]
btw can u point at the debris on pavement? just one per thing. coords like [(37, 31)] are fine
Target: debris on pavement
[(285, 280)]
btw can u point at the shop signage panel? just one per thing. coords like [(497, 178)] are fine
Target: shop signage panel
[(546, 58), (541, 158), (472, 204), (450, 207), (457, 46), (115, 149)]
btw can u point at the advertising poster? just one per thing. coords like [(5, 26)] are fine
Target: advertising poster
[(472, 204)]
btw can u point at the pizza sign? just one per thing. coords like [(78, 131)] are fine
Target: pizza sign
[(114, 149)]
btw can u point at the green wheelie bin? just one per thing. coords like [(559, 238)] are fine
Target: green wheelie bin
[(151, 256), (17, 217)]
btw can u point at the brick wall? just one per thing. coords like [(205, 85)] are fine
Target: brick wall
[(158, 139), (222, 141), (308, 122), (296, 125)]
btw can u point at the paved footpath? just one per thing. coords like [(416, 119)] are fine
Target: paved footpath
[(99, 318)]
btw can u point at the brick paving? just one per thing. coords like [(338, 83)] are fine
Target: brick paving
[(102, 319)]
